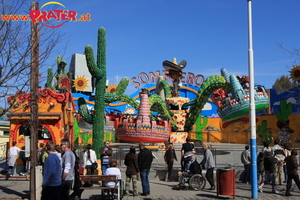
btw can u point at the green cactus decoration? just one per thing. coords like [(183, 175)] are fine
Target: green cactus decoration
[(200, 126), (156, 100), (98, 71), (60, 66), (84, 136), (49, 79), (286, 110), (164, 85), (262, 131), (208, 86)]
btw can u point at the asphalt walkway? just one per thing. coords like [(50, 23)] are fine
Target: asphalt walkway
[(226, 155)]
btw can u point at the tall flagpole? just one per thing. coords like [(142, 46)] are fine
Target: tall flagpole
[(252, 107)]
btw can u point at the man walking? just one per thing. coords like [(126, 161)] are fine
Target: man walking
[(52, 174), (279, 155), (245, 158), (292, 171), (68, 163), (144, 161), (208, 163)]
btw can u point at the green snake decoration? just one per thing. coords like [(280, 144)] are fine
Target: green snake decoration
[(103, 98)]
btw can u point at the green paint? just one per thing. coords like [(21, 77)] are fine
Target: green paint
[(262, 131)]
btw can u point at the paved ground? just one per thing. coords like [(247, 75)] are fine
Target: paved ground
[(226, 154), (160, 190)]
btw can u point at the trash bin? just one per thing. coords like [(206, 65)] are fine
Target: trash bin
[(226, 182)]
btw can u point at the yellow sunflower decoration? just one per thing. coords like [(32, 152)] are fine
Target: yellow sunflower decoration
[(295, 73), (111, 88), (80, 83)]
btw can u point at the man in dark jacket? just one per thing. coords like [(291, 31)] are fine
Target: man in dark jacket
[(292, 171), (105, 156), (186, 152), (144, 161)]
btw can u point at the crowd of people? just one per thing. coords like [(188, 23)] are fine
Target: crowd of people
[(58, 167), (275, 165)]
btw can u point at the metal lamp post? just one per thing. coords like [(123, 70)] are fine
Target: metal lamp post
[(252, 106)]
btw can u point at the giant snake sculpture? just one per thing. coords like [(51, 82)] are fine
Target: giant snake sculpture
[(232, 105)]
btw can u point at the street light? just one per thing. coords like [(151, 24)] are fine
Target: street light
[(252, 106)]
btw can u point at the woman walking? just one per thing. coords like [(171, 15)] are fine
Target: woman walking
[(169, 157), (208, 163), (132, 171), (89, 157), (12, 157)]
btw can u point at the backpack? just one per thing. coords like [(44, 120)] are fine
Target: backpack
[(40, 159), (76, 186)]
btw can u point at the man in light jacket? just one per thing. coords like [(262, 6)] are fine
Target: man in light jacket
[(208, 163), (246, 160)]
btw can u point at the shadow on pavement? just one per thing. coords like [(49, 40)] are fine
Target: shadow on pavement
[(8, 191), (213, 196)]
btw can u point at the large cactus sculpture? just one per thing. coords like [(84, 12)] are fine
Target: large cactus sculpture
[(61, 70), (98, 71), (50, 79)]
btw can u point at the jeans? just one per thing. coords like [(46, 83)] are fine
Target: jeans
[(11, 170), (210, 176), (170, 167), (285, 173), (89, 170), (145, 181), (65, 189), (104, 167), (187, 165), (247, 172), (50, 193)]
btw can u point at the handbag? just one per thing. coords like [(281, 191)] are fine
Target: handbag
[(95, 165)]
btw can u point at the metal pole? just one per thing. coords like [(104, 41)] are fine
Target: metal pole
[(252, 107), (33, 103)]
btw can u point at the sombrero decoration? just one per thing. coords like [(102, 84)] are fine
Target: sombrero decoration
[(173, 65)]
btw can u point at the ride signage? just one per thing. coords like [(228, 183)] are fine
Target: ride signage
[(187, 77)]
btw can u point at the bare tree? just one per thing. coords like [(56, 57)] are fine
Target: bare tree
[(15, 49), (283, 84)]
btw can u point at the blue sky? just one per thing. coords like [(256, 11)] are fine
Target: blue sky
[(208, 34)]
